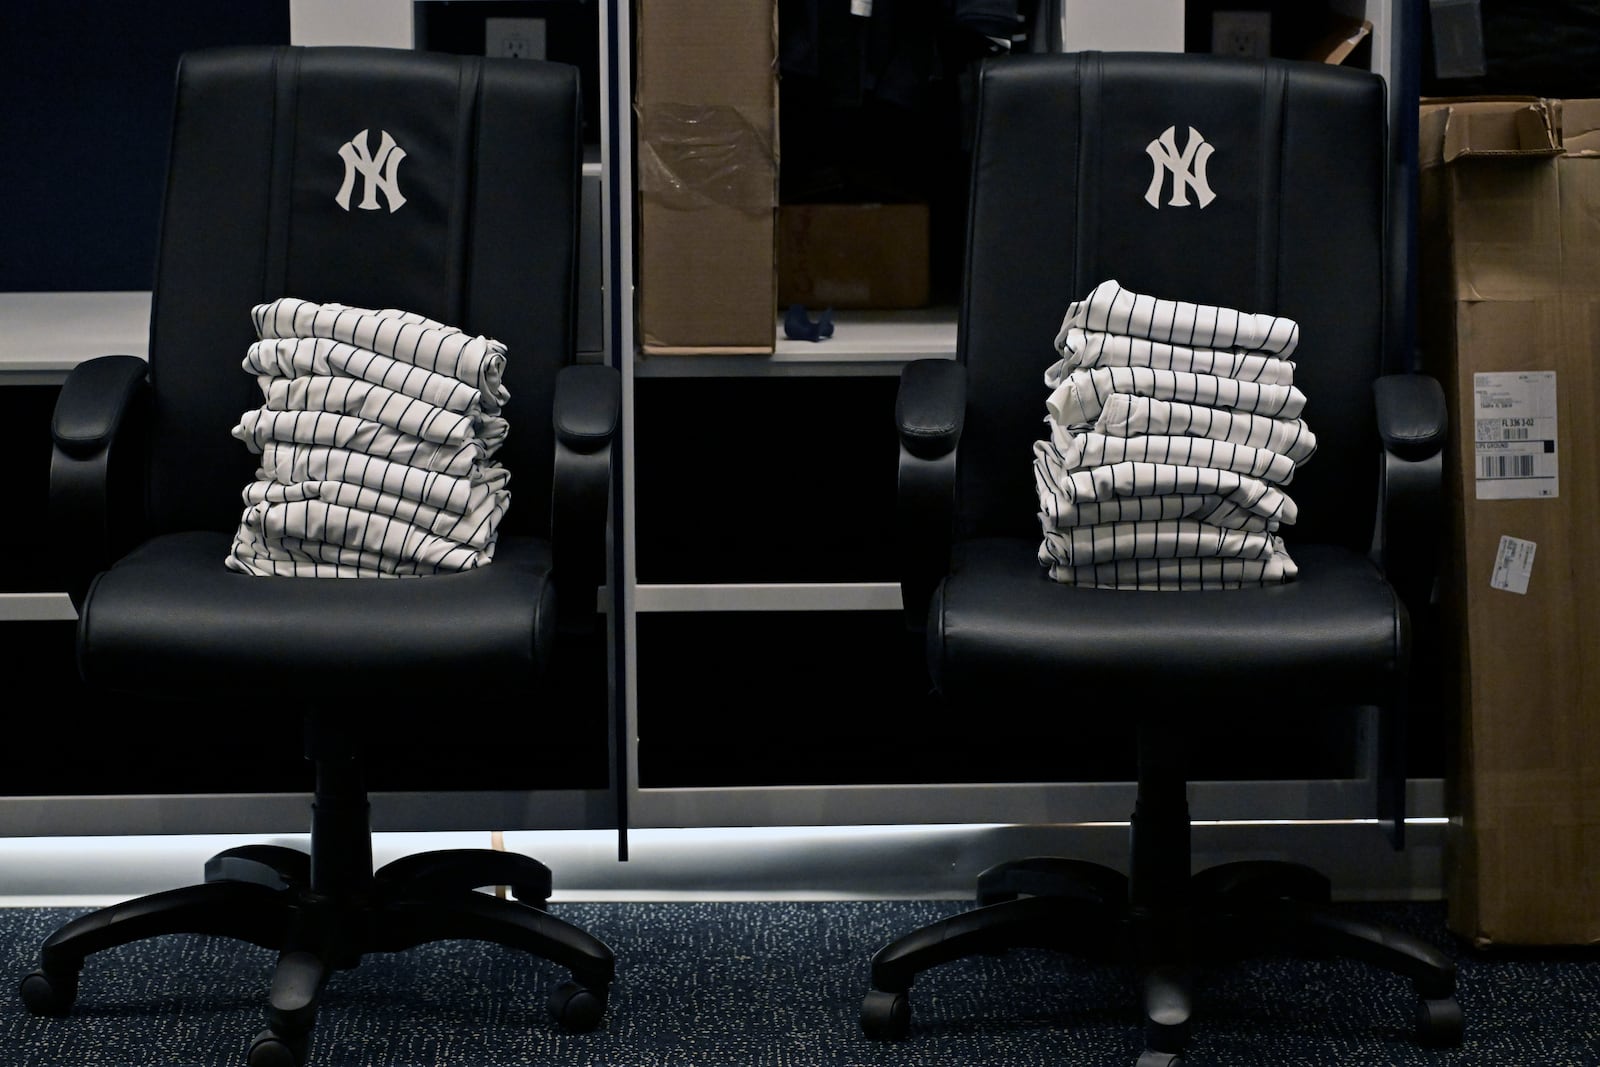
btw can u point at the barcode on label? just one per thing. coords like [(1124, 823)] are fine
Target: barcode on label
[(1505, 430), (1505, 466)]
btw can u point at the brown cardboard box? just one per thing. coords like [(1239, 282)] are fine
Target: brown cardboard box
[(853, 255), (1344, 37), (1510, 287), (705, 114)]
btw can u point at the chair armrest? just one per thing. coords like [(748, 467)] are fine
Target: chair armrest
[(97, 395), (1408, 544), (588, 406), (96, 426), (1412, 423), (1411, 415), (931, 406), (587, 414), (930, 411)]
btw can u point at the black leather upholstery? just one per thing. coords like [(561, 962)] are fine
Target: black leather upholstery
[(1066, 194), (479, 231)]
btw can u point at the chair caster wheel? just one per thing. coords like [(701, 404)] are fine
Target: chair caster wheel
[(577, 1007), (1439, 1022), (47, 994), (885, 1016), (270, 1050), (1152, 1058)]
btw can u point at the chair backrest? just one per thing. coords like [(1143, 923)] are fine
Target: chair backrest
[(460, 182), (1250, 185)]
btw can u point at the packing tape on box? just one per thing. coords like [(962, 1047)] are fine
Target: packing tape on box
[(694, 154)]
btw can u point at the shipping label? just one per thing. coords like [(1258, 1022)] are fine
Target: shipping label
[(1514, 435), (1513, 565)]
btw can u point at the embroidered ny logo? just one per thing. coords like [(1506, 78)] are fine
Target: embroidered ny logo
[(380, 172), (1188, 169)]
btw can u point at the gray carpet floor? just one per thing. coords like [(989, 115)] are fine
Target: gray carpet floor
[(779, 984)]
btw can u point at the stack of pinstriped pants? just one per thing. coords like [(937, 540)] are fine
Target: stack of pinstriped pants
[(376, 439), (1173, 429)]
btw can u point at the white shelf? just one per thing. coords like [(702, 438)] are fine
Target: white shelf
[(36, 607), (768, 596), (47, 334), (863, 343)]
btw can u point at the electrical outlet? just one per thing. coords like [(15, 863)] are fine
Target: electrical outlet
[(1242, 33), (513, 38)]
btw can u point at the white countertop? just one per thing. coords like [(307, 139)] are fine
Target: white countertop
[(45, 335), (863, 342)]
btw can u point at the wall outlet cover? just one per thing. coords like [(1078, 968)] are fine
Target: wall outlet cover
[(514, 38), (1242, 33)]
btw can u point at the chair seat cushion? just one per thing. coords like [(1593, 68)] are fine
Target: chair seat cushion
[(999, 628), (170, 616)]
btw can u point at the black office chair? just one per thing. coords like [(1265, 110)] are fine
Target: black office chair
[(1284, 214), (444, 186)]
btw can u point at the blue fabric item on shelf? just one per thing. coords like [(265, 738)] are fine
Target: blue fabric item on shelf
[(798, 324)]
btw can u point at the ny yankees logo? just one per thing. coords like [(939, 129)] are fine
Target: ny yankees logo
[(377, 173), (1188, 169)]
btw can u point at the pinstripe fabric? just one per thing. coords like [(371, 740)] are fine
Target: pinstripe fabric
[(382, 542), (298, 357), (1169, 539), (473, 526), (350, 396), (402, 335), (297, 463), (1076, 485), (1210, 509), (1179, 575), (1173, 427), (1128, 416), (1110, 308), (260, 425), (1091, 449), (376, 438), (1087, 349), (1079, 400)]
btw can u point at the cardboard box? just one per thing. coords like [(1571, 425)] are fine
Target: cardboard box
[(853, 255), (1510, 323), (1344, 37), (706, 140)]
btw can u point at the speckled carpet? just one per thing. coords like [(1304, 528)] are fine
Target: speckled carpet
[(779, 984)]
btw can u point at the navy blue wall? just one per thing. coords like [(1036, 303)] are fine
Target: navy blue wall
[(85, 100)]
